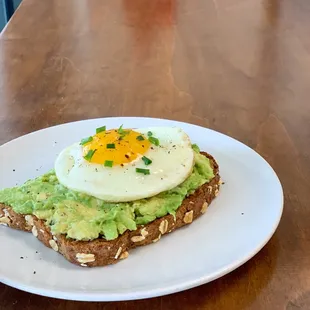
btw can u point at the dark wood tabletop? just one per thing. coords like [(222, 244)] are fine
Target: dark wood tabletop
[(241, 67)]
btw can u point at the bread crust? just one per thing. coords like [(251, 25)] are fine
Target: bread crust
[(100, 252)]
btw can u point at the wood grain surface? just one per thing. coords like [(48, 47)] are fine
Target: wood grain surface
[(241, 67)]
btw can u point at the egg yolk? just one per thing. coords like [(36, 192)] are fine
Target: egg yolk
[(120, 148)]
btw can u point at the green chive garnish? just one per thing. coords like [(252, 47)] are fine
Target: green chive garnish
[(140, 138), (110, 146), (146, 160), (149, 133), (86, 140), (100, 129), (122, 132), (154, 140), (108, 163), (144, 171), (90, 154)]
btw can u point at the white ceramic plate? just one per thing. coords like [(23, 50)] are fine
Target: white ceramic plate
[(236, 226)]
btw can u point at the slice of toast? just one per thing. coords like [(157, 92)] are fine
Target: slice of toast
[(100, 252)]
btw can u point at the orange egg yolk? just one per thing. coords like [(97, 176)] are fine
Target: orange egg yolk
[(120, 148)]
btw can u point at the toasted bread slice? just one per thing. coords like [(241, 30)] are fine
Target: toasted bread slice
[(100, 252)]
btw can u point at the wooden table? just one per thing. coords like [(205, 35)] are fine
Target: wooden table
[(241, 67)]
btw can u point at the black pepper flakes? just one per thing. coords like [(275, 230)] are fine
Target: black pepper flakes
[(127, 156), (13, 170), (34, 272), (21, 257)]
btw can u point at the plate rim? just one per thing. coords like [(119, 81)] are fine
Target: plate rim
[(170, 289)]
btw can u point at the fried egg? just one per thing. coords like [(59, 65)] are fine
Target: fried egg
[(122, 165)]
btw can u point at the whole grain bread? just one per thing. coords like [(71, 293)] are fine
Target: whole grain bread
[(100, 252)]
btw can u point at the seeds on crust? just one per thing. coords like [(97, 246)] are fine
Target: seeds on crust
[(118, 252), (216, 192), (53, 245), (188, 217), (5, 221), (54, 237), (144, 232), (124, 255), (29, 220), (191, 202), (6, 213), (137, 238), (83, 265), (210, 189), (157, 239), (34, 231), (204, 207), (85, 258), (163, 227)]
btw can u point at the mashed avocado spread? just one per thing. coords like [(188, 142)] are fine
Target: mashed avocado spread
[(83, 217)]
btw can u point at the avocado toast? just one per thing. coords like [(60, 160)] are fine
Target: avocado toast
[(89, 231)]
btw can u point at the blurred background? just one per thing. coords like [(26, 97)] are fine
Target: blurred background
[(7, 8)]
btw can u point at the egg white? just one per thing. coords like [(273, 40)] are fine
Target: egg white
[(172, 163)]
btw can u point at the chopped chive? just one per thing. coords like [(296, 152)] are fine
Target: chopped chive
[(110, 146), (100, 129), (120, 129), (146, 160), (108, 163), (154, 140), (90, 154), (140, 138), (144, 171), (149, 133), (86, 140), (122, 132)]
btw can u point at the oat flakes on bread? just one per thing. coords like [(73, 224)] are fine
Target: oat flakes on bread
[(100, 252)]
